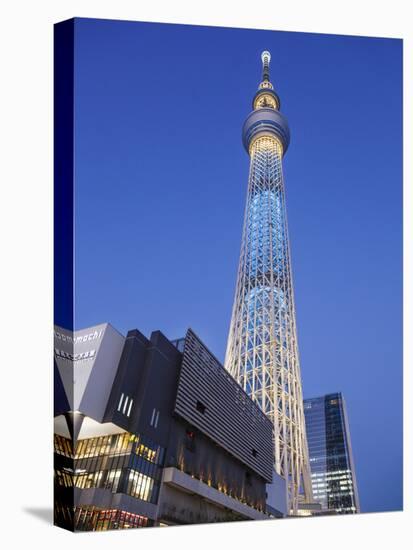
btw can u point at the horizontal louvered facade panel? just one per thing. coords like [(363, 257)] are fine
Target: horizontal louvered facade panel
[(212, 401)]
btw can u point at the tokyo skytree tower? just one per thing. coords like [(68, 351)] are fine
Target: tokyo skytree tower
[(262, 351)]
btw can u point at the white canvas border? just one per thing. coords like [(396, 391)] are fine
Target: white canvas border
[(26, 274)]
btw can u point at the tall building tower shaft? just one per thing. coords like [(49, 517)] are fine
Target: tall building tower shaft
[(262, 352), (333, 474)]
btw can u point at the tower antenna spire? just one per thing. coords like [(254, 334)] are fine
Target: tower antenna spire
[(266, 58)]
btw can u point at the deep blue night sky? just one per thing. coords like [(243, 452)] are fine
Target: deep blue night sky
[(161, 179)]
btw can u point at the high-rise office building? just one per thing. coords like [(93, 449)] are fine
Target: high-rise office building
[(331, 460), (262, 352)]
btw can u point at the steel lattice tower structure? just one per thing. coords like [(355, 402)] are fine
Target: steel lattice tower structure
[(262, 352)]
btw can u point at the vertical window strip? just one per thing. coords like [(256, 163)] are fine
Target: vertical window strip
[(130, 407), (125, 404), (120, 401), (153, 416), (156, 419)]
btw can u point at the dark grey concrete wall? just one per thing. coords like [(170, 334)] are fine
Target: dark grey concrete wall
[(201, 457)]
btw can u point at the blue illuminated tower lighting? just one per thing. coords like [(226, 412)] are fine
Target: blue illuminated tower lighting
[(262, 352)]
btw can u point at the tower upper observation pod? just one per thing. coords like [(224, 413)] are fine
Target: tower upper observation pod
[(266, 119)]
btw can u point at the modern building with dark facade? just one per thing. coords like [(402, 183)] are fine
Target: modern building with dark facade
[(154, 432), (331, 460)]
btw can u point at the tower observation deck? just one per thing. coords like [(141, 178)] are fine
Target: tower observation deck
[(262, 352)]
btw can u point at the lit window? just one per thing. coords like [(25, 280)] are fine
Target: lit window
[(140, 486), (120, 401), (146, 452), (125, 404), (154, 418)]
